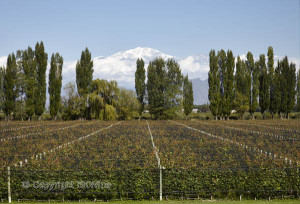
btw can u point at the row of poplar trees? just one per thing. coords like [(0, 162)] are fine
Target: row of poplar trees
[(166, 90), (245, 85), (23, 89), (23, 83)]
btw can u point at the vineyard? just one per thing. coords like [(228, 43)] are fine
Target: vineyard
[(119, 160)]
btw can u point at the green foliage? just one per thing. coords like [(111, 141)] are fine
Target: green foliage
[(41, 65), (298, 91), (228, 84), (30, 72), (128, 104), (140, 85), (84, 77), (84, 73), (254, 91), (271, 71), (188, 98), (264, 85), (9, 86), (173, 85), (287, 84), (156, 73), (164, 87), (55, 82), (242, 87), (2, 75), (214, 84), (109, 112), (71, 103), (223, 81), (291, 88)]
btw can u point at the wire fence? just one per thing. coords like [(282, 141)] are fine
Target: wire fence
[(136, 184)]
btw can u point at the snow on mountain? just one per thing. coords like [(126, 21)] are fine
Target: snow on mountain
[(121, 66)]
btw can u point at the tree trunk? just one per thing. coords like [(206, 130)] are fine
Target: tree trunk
[(40, 118), (216, 117)]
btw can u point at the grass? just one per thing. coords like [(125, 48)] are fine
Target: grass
[(188, 202)]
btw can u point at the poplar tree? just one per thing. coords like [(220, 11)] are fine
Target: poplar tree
[(276, 92), (242, 87), (84, 78), (291, 88), (2, 75), (223, 82), (55, 83), (188, 98), (9, 86), (84, 73), (271, 73), (140, 85), (228, 84), (214, 84), (173, 88), (283, 68), (298, 91), (41, 66), (156, 85), (30, 72), (264, 94), (254, 91)]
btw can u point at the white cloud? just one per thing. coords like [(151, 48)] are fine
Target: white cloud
[(3, 61)]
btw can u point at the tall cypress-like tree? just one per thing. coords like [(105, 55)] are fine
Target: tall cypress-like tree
[(264, 91), (254, 91), (156, 74), (271, 73), (84, 73), (30, 72), (9, 86), (242, 88), (298, 91), (291, 88), (2, 75), (228, 84), (277, 90), (55, 82), (84, 78), (188, 98), (41, 66), (223, 82), (140, 84), (214, 84), (173, 87), (283, 68)]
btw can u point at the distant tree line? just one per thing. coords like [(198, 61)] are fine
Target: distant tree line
[(23, 89), (166, 91), (246, 84)]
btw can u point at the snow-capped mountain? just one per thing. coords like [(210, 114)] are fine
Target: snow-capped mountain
[(121, 66)]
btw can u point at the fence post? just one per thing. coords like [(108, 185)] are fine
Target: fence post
[(160, 182), (8, 185)]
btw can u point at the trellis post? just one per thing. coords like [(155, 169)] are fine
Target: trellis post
[(8, 185)]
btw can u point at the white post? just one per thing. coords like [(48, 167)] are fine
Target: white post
[(160, 182), (8, 184)]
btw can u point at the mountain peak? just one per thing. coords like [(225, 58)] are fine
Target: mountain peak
[(141, 52)]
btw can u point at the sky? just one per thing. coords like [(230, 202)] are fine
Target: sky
[(177, 28)]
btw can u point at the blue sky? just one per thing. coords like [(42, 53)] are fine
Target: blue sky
[(178, 28)]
